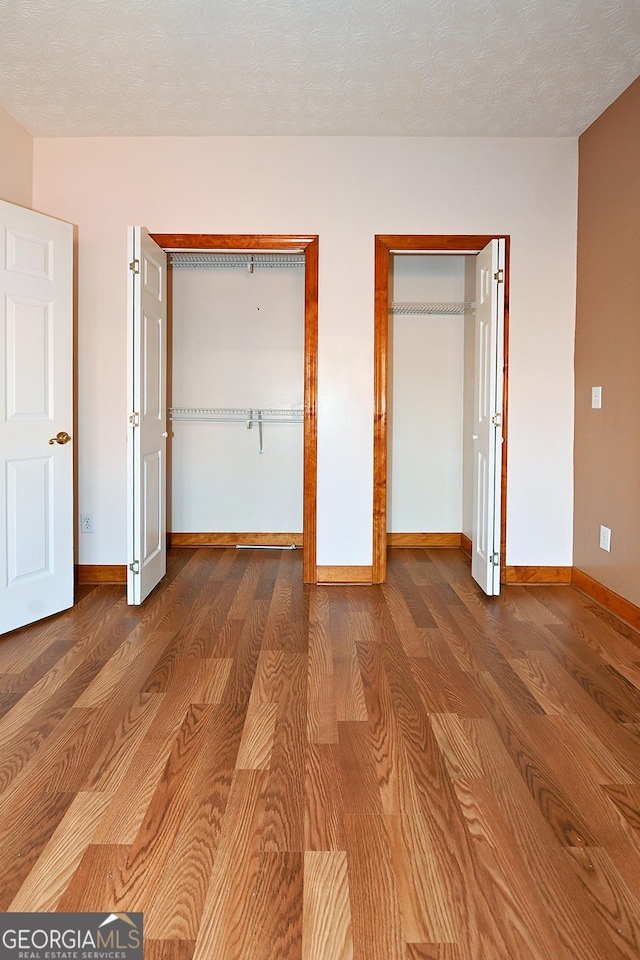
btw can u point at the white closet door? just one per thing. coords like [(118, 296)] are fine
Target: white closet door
[(36, 416), (146, 461), (487, 457)]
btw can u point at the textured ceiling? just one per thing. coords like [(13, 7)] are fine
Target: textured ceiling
[(315, 67)]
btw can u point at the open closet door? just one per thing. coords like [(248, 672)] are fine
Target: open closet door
[(487, 432), (36, 416), (147, 437)]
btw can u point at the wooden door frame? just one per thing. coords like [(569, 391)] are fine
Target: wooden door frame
[(452, 245), (289, 242)]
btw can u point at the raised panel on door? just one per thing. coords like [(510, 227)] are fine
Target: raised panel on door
[(152, 387), (28, 373), (29, 493), (153, 466), (481, 544), (29, 254)]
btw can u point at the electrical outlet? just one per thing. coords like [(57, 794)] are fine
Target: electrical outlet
[(605, 539), (86, 523)]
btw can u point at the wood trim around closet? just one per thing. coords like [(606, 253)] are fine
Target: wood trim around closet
[(101, 573), (426, 540), (276, 540), (309, 244), (309, 520), (420, 243), (344, 574)]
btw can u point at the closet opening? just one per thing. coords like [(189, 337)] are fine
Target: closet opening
[(242, 391), (440, 385)]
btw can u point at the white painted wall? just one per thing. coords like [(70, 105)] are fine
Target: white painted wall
[(426, 374), (346, 190), (16, 161), (238, 341)]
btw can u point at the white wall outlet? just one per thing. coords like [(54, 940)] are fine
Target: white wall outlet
[(86, 523), (605, 538), (596, 398)]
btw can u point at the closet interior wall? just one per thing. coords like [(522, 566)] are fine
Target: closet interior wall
[(431, 366), (237, 344)]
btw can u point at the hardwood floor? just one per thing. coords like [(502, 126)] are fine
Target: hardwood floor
[(270, 771)]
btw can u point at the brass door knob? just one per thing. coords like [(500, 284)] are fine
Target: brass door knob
[(61, 437)]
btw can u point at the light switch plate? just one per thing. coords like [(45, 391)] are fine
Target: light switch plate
[(596, 398)]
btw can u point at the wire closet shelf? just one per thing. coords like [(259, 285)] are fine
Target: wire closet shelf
[(432, 308), (246, 415), (247, 261)]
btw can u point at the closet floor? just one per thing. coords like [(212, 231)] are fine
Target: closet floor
[(271, 771)]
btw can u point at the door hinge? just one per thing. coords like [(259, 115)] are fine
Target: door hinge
[(496, 419), (495, 559), (499, 275), (135, 566), (134, 419), (134, 266)]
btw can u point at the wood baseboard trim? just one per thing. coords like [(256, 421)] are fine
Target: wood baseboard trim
[(232, 539), (101, 573), (466, 544), (609, 599), (424, 539), (344, 574), (524, 575)]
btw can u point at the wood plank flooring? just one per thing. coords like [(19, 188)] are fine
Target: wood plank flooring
[(269, 771)]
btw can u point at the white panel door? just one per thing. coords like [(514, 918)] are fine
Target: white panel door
[(147, 337), (487, 430), (36, 416)]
